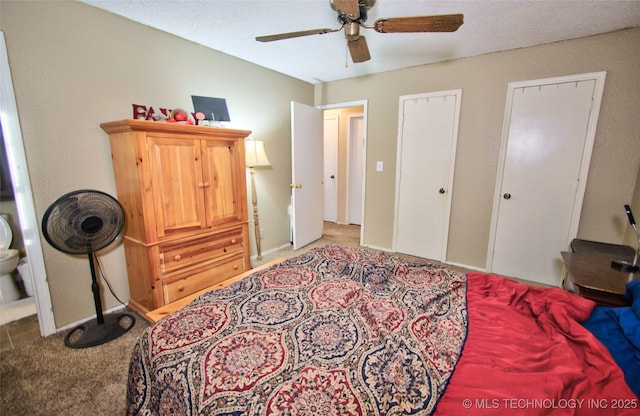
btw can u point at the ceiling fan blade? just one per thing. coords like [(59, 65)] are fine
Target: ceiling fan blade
[(349, 7), (434, 23), (359, 50), (289, 35)]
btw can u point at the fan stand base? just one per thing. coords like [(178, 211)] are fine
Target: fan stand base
[(91, 334)]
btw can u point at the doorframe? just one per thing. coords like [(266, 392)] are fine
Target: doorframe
[(365, 111), (599, 78), (18, 170)]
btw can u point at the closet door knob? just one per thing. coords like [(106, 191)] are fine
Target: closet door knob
[(441, 190), (507, 195)]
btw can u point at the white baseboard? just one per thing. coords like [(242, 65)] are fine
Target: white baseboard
[(465, 266), (372, 247), (271, 250)]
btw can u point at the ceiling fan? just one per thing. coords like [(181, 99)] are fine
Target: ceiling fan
[(352, 15)]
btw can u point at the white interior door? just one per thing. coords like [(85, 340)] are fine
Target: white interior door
[(306, 175), (427, 137), (355, 172), (330, 171), (546, 149)]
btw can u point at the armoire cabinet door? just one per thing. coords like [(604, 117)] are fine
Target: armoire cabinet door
[(221, 193), (177, 182)]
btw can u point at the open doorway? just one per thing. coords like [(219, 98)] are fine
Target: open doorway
[(308, 171), (22, 195), (344, 152), (16, 288)]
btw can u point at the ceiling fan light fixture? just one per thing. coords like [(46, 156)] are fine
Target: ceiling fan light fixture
[(352, 31)]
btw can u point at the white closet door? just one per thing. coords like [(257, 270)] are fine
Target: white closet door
[(546, 151), (428, 125)]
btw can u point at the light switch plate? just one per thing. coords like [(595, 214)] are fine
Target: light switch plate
[(379, 166)]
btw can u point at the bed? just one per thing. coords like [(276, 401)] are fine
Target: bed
[(350, 331)]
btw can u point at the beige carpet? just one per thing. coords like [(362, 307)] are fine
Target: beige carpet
[(42, 376)]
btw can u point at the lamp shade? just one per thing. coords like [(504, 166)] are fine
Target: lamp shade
[(255, 155)]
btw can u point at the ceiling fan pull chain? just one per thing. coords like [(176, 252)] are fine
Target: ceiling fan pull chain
[(346, 56)]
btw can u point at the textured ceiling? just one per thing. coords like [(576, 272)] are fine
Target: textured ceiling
[(489, 26)]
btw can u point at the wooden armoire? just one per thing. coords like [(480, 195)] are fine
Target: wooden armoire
[(183, 190)]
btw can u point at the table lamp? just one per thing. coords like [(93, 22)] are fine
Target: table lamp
[(255, 157)]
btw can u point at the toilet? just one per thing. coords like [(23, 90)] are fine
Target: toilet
[(8, 262)]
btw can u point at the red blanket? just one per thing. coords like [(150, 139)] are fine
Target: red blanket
[(526, 353)]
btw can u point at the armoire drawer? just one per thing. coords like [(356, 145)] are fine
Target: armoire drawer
[(194, 282), (175, 256)]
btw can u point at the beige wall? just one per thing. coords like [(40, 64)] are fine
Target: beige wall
[(484, 79), (74, 67)]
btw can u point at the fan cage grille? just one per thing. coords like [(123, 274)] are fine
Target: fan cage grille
[(83, 222)]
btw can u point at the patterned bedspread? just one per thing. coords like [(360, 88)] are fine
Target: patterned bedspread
[(335, 331)]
